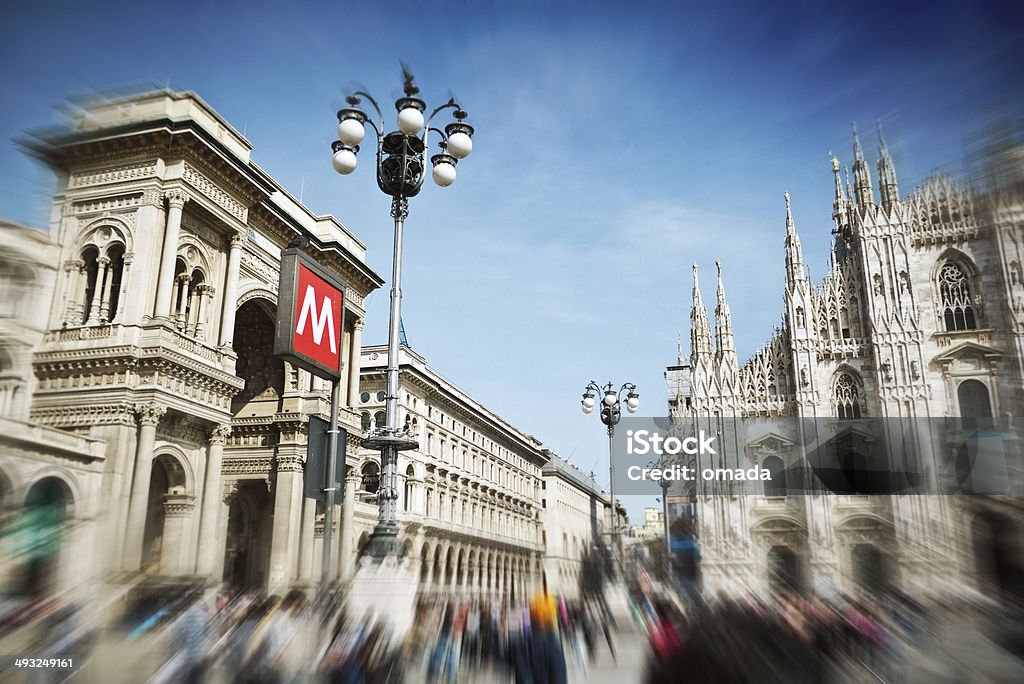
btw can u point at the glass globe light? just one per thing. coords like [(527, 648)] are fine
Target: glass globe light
[(588, 401), (587, 409), (633, 403), (351, 131), (410, 120), (344, 161), (460, 145), (610, 399), (443, 174)]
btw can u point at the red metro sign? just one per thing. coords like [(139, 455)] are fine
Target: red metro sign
[(310, 307)]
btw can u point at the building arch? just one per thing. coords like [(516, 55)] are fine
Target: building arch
[(49, 505), (974, 399), (180, 463), (258, 291), (253, 342), (369, 476), (104, 231)]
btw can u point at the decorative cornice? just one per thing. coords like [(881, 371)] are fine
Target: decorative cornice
[(213, 192), (116, 174)]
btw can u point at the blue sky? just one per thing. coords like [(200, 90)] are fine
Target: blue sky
[(617, 143)]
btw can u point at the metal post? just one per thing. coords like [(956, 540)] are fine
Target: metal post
[(668, 540), (332, 451), (389, 455), (611, 492)]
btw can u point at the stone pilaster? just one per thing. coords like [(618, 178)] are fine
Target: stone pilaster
[(148, 416), (209, 521), (227, 318)]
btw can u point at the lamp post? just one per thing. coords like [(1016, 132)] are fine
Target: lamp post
[(401, 163), (611, 413)]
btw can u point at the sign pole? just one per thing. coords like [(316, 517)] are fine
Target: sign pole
[(329, 485)]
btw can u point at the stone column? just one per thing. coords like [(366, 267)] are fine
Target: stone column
[(284, 545), (149, 415), (348, 508), (306, 555), (73, 270), (95, 315), (122, 298), (80, 289), (182, 298), (108, 286), (355, 356), (177, 510), (206, 293), (165, 280), (209, 520), (227, 316)]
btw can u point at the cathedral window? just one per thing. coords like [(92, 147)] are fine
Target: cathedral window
[(379, 419), (847, 397), (955, 298)]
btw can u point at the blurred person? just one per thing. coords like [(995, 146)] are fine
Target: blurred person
[(258, 667), (538, 656)]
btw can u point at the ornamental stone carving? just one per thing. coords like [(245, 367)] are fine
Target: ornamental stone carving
[(219, 434), (176, 198), (149, 414)]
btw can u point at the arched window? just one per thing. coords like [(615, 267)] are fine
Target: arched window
[(955, 298), (847, 397), (776, 486), (379, 419), (10, 384), (365, 422), (189, 302), (371, 477), (410, 474)]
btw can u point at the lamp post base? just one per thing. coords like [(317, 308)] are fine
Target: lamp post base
[(384, 590), (384, 542)]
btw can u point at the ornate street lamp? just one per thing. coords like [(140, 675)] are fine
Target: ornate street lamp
[(611, 412), (401, 164)]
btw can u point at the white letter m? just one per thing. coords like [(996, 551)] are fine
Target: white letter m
[(324, 320)]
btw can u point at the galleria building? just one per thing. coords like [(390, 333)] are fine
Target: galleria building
[(917, 326), (149, 433)]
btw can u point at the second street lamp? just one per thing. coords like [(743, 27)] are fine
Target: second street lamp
[(401, 163), (611, 413)]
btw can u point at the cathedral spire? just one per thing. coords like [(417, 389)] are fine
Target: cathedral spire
[(794, 253), (839, 203), (725, 348), (723, 318), (700, 330), (861, 174), (887, 187)]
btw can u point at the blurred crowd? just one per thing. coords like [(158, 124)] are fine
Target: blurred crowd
[(191, 636)]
